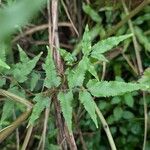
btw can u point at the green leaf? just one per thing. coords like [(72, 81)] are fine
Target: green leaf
[(136, 128), (103, 105), (129, 101), (54, 147), (86, 42), (76, 76), (117, 112), (9, 105), (115, 100), (52, 79), (4, 65), (92, 13), (7, 110), (99, 57), (145, 79), (88, 103), (41, 103), (68, 57), (34, 79), (23, 56), (123, 130), (142, 18), (3, 49), (112, 88), (2, 81), (65, 103), (107, 44), (128, 115), (92, 70), (22, 69), (143, 39), (17, 15), (110, 119)]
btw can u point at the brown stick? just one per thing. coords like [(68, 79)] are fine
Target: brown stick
[(51, 30), (54, 43), (8, 130), (38, 28), (80, 132)]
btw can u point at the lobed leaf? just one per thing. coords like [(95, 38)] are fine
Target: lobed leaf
[(22, 69), (7, 110), (91, 69), (68, 57), (76, 77), (34, 80), (145, 79), (23, 56), (107, 44), (100, 57), (89, 105), (65, 103), (112, 88), (86, 41), (52, 79), (41, 103)]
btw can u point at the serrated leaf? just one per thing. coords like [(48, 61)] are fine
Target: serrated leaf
[(107, 44), (112, 88), (76, 77), (19, 92), (41, 103), (7, 110), (34, 79), (92, 70), (88, 103), (145, 79), (21, 70), (86, 41), (9, 105), (100, 57), (23, 56), (52, 79), (3, 64), (68, 57), (65, 103), (92, 13)]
